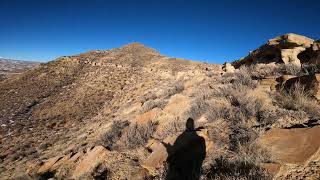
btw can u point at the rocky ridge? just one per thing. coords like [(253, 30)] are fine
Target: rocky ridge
[(111, 114)]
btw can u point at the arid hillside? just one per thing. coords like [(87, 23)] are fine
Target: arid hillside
[(10, 67), (132, 113)]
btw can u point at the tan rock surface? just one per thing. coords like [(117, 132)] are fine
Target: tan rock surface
[(89, 162), (282, 49), (296, 146)]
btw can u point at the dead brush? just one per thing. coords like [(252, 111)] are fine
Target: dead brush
[(110, 137), (298, 99), (137, 135), (242, 164), (170, 128)]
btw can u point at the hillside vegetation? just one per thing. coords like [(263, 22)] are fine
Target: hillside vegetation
[(119, 113)]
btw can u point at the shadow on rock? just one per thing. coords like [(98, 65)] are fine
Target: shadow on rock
[(186, 155)]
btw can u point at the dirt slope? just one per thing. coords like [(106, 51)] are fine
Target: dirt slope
[(117, 114), (45, 110)]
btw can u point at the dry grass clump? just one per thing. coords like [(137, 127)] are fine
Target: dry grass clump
[(242, 105), (170, 128), (151, 104), (242, 163), (309, 69), (219, 133), (241, 77), (259, 71), (224, 168), (148, 96), (291, 69), (165, 91), (175, 88), (137, 135), (298, 99), (234, 112), (110, 137), (158, 98), (197, 108)]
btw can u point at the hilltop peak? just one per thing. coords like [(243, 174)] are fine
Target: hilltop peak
[(134, 44), (137, 47)]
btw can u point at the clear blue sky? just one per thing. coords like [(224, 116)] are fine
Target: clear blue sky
[(207, 30)]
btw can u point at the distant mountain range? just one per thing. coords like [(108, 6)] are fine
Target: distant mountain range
[(10, 66)]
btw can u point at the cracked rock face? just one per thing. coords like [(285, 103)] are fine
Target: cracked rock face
[(288, 49)]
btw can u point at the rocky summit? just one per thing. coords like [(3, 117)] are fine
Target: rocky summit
[(133, 113)]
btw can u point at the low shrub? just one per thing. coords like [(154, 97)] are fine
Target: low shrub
[(240, 136), (151, 104), (309, 69), (137, 135), (243, 78), (291, 69), (298, 99), (227, 168), (175, 88), (170, 128), (259, 71), (114, 134)]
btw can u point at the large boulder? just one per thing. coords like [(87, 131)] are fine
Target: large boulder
[(291, 39), (268, 83), (293, 146), (89, 162), (273, 83), (288, 49), (76, 165), (228, 68)]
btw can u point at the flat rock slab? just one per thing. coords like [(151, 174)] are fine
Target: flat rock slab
[(92, 159), (295, 146)]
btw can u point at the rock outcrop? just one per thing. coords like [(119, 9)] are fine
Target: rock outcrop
[(228, 68), (297, 150), (294, 146), (288, 49)]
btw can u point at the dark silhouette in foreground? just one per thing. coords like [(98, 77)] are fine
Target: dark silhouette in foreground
[(186, 155)]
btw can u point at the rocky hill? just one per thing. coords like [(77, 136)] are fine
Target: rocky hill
[(11, 67), (122, 114)]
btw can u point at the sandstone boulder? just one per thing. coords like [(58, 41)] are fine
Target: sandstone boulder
[(288, 49), (47, 166), (290, 56), (76, 164), (146, 117), (293, 146), (268, 83), (228, 68), (291, 39), (92, 160)]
